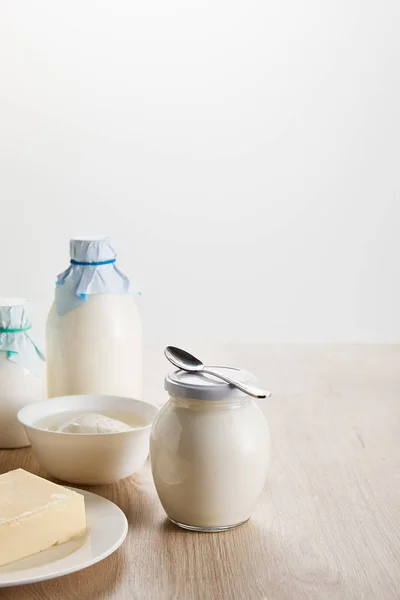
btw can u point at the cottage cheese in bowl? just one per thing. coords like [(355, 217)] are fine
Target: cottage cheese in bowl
[(89, 439)]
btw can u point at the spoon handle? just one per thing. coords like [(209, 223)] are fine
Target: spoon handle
[(252, 390)]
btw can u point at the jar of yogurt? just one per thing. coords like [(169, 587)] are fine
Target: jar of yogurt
[(209, 450), (94, 330), (21, 369)]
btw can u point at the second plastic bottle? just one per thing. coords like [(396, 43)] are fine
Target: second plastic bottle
[(94, 331)]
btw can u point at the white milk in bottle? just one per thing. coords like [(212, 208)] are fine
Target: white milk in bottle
[(94, 331), (21, 369)]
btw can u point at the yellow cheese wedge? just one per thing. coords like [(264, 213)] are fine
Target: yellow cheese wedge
[(35, 514)]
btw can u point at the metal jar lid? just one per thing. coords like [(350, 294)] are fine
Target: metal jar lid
[(199, 386)]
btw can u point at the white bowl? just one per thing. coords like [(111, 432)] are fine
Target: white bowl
[(90, 459)]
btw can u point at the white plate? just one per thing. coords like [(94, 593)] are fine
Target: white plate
[(107, 529)]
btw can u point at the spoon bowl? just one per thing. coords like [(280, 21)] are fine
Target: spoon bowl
[(183, 360)]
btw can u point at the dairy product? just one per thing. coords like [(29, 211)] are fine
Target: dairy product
[(35, 514), (18, 387), (73, 421), (94, 331), (21, 370), (209, 458), (95, 348), (93, 423)]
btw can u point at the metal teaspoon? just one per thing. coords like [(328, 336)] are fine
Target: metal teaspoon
[(185, 361)]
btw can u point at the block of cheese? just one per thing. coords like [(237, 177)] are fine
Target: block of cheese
[(35, 514)]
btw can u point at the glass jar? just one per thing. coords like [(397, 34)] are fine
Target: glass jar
[(209, 451), (94, 330), (21, 369)]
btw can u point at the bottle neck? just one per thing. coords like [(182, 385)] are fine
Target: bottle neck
[(15, 329), (100, 263)]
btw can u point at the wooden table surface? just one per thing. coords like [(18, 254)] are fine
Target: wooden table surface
[(328, 523)]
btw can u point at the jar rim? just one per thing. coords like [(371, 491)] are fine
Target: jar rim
[(202, 386), (233, 401)]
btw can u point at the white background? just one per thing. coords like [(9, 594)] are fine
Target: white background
[(244, 155)]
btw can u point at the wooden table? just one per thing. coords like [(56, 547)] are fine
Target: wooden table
[(328, 524)]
